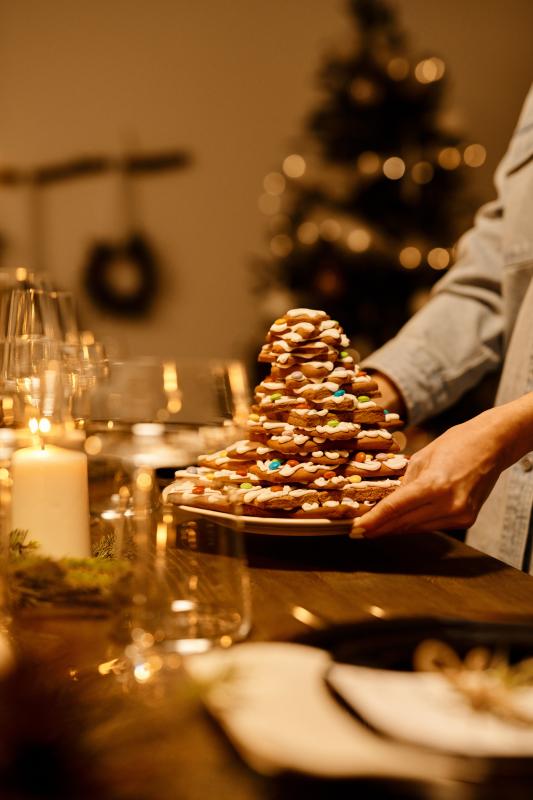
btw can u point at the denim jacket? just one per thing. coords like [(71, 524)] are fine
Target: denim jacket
[(479, 317)]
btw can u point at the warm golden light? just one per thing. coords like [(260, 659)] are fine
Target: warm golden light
[(307, 233), (368, 163), (86, 338), (274, 183), (110, 425), (45, 426), (281, 245), (21, 273), (144, 480), (33, 425), (438, 258), (422, 172), (330, 230), (170, 377), (449, 158), (294, 166), (174, 405), (269, 203), (410, 257), (359, 240), (93, 445), (474, 155), (161, 536), (394, 168), (429, 70), (4, 474), (398, 69)]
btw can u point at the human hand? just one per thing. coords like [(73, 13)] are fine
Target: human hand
[(447, 482)]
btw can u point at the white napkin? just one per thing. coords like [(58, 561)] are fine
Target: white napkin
[(275, 707), (424, 709)]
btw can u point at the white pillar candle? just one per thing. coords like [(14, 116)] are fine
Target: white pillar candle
[(50, 499)]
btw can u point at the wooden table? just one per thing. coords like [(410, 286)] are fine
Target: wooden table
[(181, 754)]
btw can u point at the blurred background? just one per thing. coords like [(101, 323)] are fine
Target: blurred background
[(144, 145)]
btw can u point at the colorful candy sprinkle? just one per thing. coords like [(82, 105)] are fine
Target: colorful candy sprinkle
[(339, 393), (386, 411), (276, 464), (344, 353), (355, 478), (360, 457), (329, 474), (242, 472), (333, 423), (254, 417), (275, 396), (246, 486), (198, 490), (293, 463), (363, 398), (279, 322), (276, 488), (362, 374)]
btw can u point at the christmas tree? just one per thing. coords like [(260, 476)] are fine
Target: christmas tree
[(363, 217)]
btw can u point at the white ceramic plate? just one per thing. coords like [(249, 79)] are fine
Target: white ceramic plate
[(277, 526)]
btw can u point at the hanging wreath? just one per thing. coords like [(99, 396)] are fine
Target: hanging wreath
[(122, 278)]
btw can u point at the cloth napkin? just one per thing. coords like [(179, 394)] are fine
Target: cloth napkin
[(272, 701), (424, 709)]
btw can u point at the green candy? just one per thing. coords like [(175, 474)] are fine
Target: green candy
[(363, 399), (246, 486), (344, 353), (333, 423), (275, 396)]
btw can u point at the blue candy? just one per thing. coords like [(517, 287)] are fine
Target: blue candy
[(274, 464), (339, 393)]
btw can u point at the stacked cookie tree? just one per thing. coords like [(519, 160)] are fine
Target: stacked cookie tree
[(319, 444)]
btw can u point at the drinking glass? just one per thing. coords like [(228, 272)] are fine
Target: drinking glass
[(190, 588)]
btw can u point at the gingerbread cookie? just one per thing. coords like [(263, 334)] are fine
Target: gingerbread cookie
[(383, 464), (292, 470)]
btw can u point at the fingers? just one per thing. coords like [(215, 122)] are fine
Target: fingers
[(403, 500)]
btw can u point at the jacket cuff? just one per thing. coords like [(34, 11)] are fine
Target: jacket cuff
[(418, 374)]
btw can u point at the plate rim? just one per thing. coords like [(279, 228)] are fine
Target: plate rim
[(279, 525)]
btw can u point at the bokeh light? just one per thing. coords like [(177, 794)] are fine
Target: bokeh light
[(475, 155), (274, 183), (398, 69), (294, 166), (429, 70), (281, 245), (368, 163), (438, 258), (449, 158), (394, 168), (410, 257), (359, 240), (422, 172)]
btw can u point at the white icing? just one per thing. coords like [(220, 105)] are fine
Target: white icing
[(391, 416), (367, 466), (310, 412), (272, 386), (374, 434), (322, 482), (344, 427), (310, 506), (313, 313)]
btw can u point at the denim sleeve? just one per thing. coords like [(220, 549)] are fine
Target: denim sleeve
[(457, 336)]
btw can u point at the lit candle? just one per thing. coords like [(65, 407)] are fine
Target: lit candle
[(50, 499)]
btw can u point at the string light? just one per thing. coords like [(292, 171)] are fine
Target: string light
[(474, 155), (269, 203), (307, 233), (398, 69), (359, 240), (330, 230), (281, 245), (410, 257), (430, 70), (368, 163), (274, 183), (438, 258), (449, 158), (393, 168), (422, 172), (294, 166)]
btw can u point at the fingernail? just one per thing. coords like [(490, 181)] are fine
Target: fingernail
[(357, 532)]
